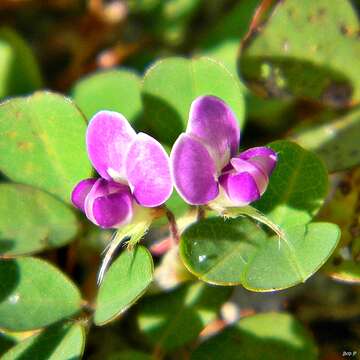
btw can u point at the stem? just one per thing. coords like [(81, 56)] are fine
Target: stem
[(173, 227), (200, 213)]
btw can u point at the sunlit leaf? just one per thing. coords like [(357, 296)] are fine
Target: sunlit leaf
[(34, 294), (114, 90), (59, 342), (336, 141), (308, 51), (297, 188), (237, 251), (270, 336), (172, 84), (124, 283), (42, 143), (32, 220)]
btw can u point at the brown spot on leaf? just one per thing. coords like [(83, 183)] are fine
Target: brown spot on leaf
[(24, 145), (346, 30), (321, 11)]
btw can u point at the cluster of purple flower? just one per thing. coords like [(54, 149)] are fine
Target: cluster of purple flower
[(204, 165)]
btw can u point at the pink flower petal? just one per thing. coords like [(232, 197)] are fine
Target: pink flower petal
[(148, 171), (262, 156), (109, 204), (194, 171), (80, 192), (256, 171), (241, 188), (212, 121), (108, 139)]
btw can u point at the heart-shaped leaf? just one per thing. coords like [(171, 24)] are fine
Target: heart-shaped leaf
[(17, 58), (237, 251), (308, 51), (32, 220), (58, 342), (172, 84), (297, 187), (124, 283), (34, 294), (270, 336), (42, 143), (115, 90), (173, 319)]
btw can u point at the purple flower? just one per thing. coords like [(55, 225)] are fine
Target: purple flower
[(134, 170), (205, 161)]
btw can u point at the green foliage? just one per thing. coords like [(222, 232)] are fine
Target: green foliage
[(58, 342), (297, 187), (123, 284), (173, 319), (239, 252), (40, 135), (336, 141), (34, 294), (293, 56), (43, 221), (236, 251), (347, 271), (172, 84), (114, 90), (221, 42), (17, 58), (270, 336), (301, 61)]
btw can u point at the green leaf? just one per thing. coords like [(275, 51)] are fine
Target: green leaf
[(32, 220), (347, 271), (308, 51), (59, 342), (336, 142), (270, 336), (6, 342), (123, 284), (19, 71), (342, 207), (172, 84), (221, 42), (42, 142), (34, 294), (237, 251), (297, 187), (115, 90), (172, 319)]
